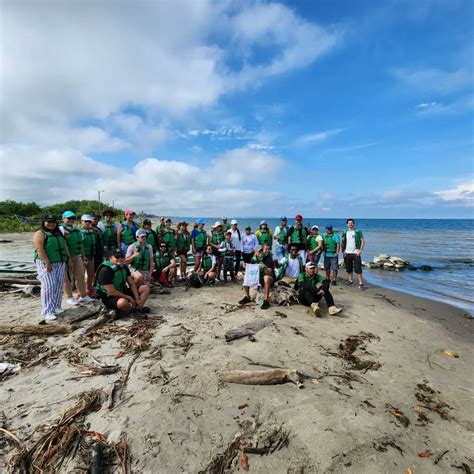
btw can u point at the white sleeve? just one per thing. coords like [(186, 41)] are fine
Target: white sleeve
[(277, 231), (213, 260), (101, 226), (130, 250)]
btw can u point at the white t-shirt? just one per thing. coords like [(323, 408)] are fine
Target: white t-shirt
[(350, 241), (293, 268), (236, 241)]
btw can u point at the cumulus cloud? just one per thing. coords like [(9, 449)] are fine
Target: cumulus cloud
[(462, 192)]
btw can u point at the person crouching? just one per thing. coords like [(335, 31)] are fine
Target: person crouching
[(140, 258), (165, 266), (117, 288)]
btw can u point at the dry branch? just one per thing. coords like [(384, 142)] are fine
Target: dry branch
[(248, 329), (35, 329), (260, 377)]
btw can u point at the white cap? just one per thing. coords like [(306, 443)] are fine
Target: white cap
[(86, 217), (234, 221), (314, 227)]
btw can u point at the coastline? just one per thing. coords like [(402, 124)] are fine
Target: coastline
[(336, 425)]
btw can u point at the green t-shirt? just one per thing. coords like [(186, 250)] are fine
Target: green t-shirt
[(309, 281)]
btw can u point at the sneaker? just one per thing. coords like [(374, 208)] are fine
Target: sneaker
[(333, 310), (350, 283), (72, 301), (334, 283), (316, 309), (145, 310), (50, 317), (265, 305), (245, 300), (85, 299), (58, 311)]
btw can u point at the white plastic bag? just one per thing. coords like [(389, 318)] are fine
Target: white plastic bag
[(252, 275)]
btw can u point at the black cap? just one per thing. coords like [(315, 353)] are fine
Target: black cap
[(146, 221), (49, 218), (117, 253)]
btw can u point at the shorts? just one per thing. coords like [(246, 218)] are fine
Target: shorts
[(216, 253), (144, 273), (198, 252), (353, 263), (331, 263), (262, 283), (182, 252), (110, 302), (247, 257)]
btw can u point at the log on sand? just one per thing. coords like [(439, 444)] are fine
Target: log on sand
[(34, 329), (261, 377), (19, 281), (248, 329)]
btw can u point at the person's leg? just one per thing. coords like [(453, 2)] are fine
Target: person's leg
[(246, 298), (317, 257), (238, 256), (358, 268), (302, 254), (79, 273), (219, 267), (335, 267), (306, 297), (267, 284), (47, 289), (144, 292), (171, 276), (349, 261), (327, 267), (90, 274), (58, 271), (211, 276), (327, 294), (183, 261), (197, 261), (68, 277)]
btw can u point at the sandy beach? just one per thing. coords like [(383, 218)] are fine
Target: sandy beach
[(408, 400)]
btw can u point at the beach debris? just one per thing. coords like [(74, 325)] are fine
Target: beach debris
[(422, 419), (88, 365), (97, 458), (398, 414), (244, 405), (394, 263), (118, 387), (35, 329), (440, 456), (452, 354), (408, 471), (463, 466), (6, 369), (81, 313), (261, 377), (381, 444), (431, 401), (283, 296), (104, 316), (48, 452), (18, 281), (280, 314), (353, 343), (244, 461), (425, 454), (137, 336), (248, 329)]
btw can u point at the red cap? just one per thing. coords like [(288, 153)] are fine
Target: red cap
[(298, 217)]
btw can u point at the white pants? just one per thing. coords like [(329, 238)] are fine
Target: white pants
[(51, 286)]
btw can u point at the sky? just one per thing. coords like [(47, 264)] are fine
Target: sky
[(328, 108)]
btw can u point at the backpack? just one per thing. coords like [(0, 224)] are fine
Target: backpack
[(195, 281)]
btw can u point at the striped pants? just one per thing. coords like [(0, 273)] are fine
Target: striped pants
[(51, 286)]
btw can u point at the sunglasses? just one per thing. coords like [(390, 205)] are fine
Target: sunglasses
[(50, 222), (141, 236), (71, 218), (90, 222), (162, 246)]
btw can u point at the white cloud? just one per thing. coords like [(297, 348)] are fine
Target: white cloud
[(462, 192), (426, 105), (320, 136), (463, 104), (350, 148)]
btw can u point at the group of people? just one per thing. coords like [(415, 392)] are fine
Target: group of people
[(118, 261)]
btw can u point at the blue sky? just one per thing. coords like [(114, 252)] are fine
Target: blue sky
[(329, 108)]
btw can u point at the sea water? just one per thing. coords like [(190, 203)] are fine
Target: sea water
[(447, 245)]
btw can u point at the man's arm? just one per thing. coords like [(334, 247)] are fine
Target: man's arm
[(362, 245), (119, 235)]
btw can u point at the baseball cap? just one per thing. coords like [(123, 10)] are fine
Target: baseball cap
[(200, 221), (129, 212), (117, 253), (283, 218), (310, 265), (329, 226), (224, 218), (146, 221), (229, 232), (248, 227), (49, 218), (263, 222), (257, 248), (86, 217), (140, 233), (234, 221), (68, 214), (298, 217), (314, 227), (168, 220)]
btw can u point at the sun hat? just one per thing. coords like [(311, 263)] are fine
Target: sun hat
[(329, 226), (283, 218), (129, 212), (140, 233), (314, 227), (310, 265), (86, 217), (200, 221), (257, 248), (263, 222), (217, 224), (234, 221), (67, 214), (49, 218), (298, 217)]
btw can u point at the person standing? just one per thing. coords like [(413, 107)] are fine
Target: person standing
[(109, 231), (169, 237), (331, 247), (314, 245), (352, 244), (126, 231), (297, 234), (264, 234), (281, 237), (249, 242), (309, 294), (237, 242), (151, 235), (216, 237), (228, 251), (225, 225), (99, 245), (88, 244), (51, 257), (198, 242), (183, 244), (76, 251)]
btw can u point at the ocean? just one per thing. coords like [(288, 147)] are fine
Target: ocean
[(447, 245)]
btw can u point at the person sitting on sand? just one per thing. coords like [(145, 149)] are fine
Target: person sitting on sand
[(198, 243), (264, 234), (228, 251), (89, 243), (126, 231), (109, 231), (281, 237), (76, 271), (352, 244), (140, 258), (215, 238), (151, 235), (290, 267), (314, 245), (51, 257), (297, 234), (207, 266), (116, 287), (331, 247), (309, 294), (183, 244), (249, 242), (165, 266), (267, 276), (169, 237)]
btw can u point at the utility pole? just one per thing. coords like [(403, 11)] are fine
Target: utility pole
[(98, 194)]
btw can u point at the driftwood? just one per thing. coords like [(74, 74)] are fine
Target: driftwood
[(35, 329), (19, 281), (97, 459), (248, 329), (261, 377), (71, 319), (102, 319)]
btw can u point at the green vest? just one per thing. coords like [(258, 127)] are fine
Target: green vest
[(310, 281), (298, 237), (151, 239), (227, 227), (119, 282), (358, 239), (109, 235), (55, 247), (200, 241), (88, 242), (329, 244), (184, 241), (283, 235), (206, 262), (127, 234), (312, 243), (162, 261), (74, 240), (264, 236), (217, 238), (169, 237), (143, 261)]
